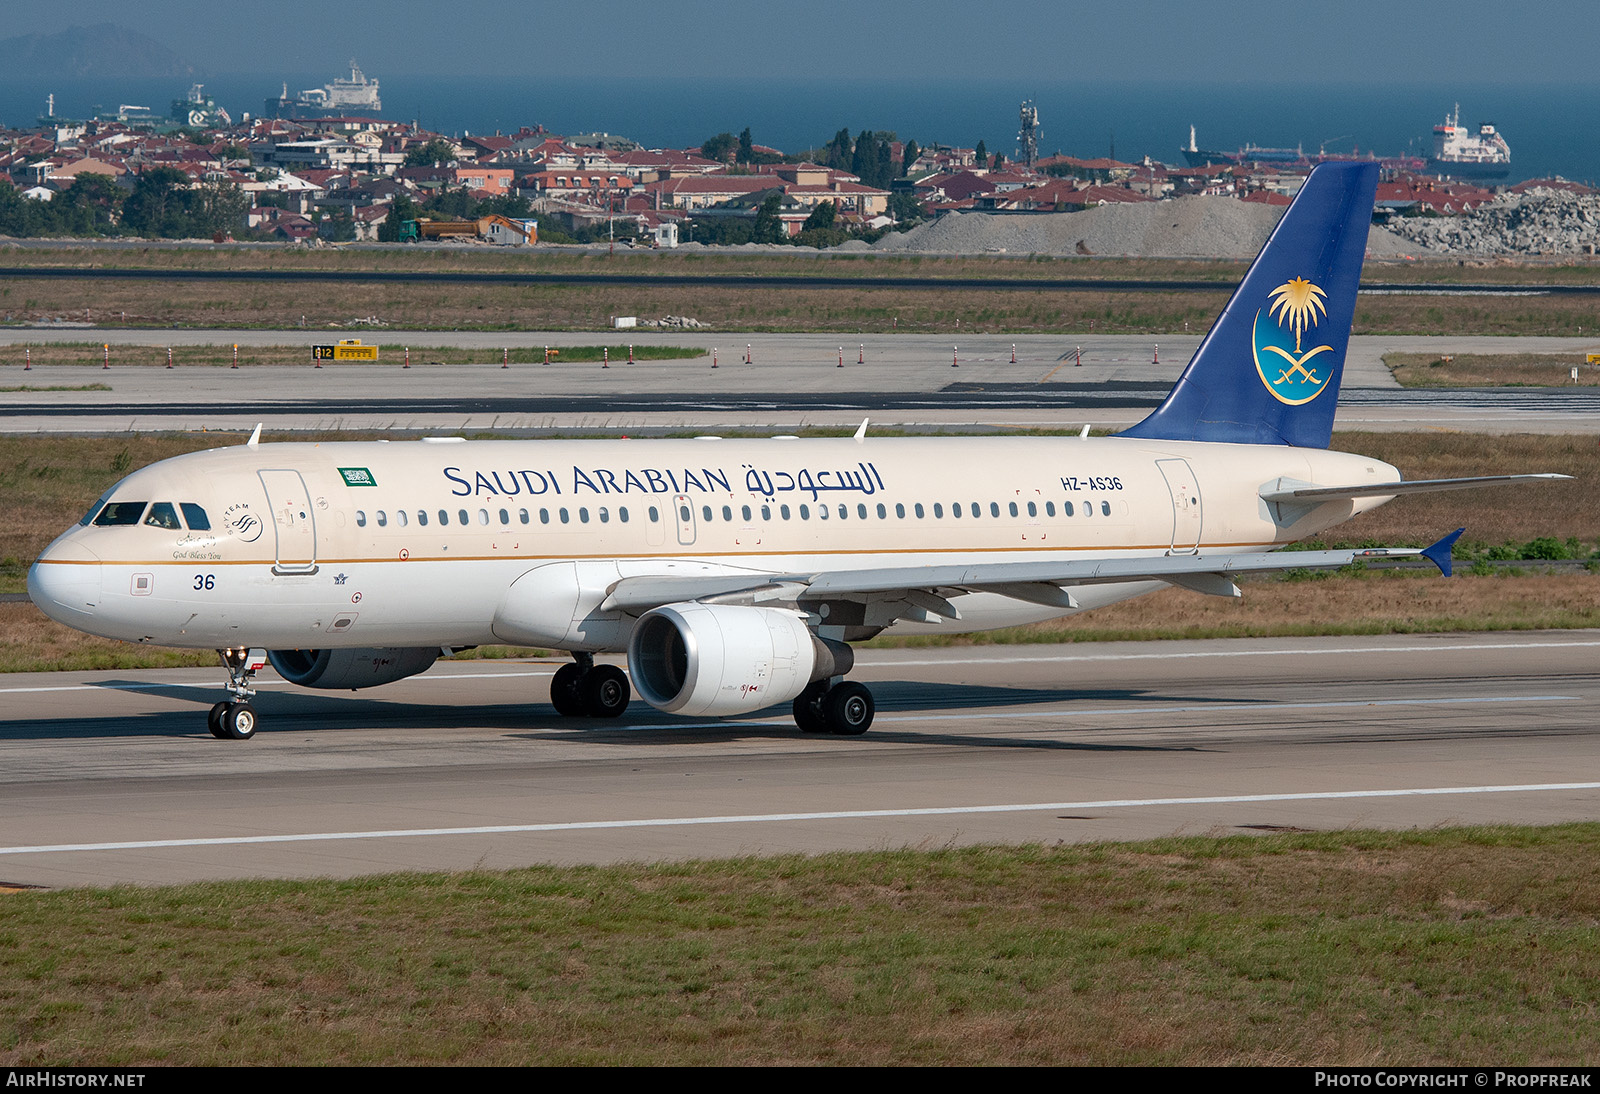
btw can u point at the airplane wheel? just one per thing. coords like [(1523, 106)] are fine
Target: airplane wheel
[(565, 691), (848, 709), (238, 721), (605, 692), (808, 708), (214, 721)]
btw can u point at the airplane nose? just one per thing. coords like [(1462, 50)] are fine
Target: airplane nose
[(65, 581)]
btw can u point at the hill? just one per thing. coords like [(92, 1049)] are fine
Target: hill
[(102, 50)]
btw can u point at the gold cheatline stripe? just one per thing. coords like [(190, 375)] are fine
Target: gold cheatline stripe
[(191, 563)]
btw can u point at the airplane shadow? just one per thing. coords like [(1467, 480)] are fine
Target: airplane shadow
[(284, 711)]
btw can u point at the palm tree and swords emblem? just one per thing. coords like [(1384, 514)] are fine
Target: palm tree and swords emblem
[(1298, 306)]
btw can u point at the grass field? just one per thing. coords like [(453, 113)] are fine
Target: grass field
[(1493, 369), (862, 308), (1350, 948)]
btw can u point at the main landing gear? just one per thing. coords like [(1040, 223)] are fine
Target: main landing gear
[(845, 708), (584, 688), (236, 720)]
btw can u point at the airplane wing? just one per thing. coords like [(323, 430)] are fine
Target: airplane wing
[(1311, 495), (926, 589)]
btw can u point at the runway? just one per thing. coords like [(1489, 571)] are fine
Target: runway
[(789, 382), (112, 777)]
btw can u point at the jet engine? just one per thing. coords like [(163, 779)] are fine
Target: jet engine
[(720, 659), (351, 668)]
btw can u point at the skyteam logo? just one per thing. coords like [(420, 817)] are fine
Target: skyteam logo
[(1293, 375)]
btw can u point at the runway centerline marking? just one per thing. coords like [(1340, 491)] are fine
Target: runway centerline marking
[(772, 818)]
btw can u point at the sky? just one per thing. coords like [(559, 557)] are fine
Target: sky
[(1238, 41)]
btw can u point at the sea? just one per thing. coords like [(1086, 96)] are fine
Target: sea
[(1129, 119)]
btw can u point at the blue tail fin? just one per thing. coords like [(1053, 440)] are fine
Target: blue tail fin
[(1268, 373)]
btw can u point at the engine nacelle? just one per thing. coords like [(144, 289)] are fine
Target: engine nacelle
[(352, 668), (721, 659)]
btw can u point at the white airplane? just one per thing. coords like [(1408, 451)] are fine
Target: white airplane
[(735, 573)]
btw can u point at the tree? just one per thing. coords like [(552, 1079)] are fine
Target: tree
[(999, 161), (437, 150), (821, 217), (768, 229), (909, 157), (155, 208), (982, 155), (722, 147), (839, 151), (747, 147), (402, 208)]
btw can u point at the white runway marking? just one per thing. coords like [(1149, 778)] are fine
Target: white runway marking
[(773, 818)]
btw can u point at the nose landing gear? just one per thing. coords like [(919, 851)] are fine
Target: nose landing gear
[(236, 720)]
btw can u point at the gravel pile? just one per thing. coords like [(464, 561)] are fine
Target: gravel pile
[(1193, 227), (1535, 222)]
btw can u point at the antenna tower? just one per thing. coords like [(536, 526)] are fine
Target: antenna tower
[(1028, 135)]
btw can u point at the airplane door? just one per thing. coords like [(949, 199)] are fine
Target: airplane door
[(1186, 516), (293, 520), (683, 515)]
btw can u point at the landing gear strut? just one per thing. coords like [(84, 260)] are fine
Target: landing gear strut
[(584, 688), (845, 708), (236, 720)]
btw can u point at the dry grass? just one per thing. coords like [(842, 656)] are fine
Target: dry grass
[(1345, 949), (1492, 370)]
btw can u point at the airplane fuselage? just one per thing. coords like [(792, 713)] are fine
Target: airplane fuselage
[(411, 544)]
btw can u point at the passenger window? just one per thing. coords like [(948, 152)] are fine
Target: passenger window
[(483, 516), (844, 511), (163, 515), (805, 512), (1066, 509), (1033, 510), (400, 517), (727, 513), (422, 518), (766, 512), (976, 511), (462, 514), (195, 517), (900, 510), (684, 514), (883, 514), (938, 511), (622, 513), (583, 514), (1014, 509), (522, 515), (565, 519), (119, 513), (655, 514), (861, 511), (1049, 508), (705, 511), (1105, 509), (544, 516), (505, 517), (994, 509), (822, 512), (361, 518), (444, 517), (955, 510), (783, 511), (383, 519), (605, 515), (918, 508), (744, 511)]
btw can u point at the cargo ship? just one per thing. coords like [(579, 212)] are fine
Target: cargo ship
[(1459, 154), (357, 95), (1297, 157)]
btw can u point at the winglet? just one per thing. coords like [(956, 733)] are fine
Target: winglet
[(1439, 553), (255, 438), (861, 432)]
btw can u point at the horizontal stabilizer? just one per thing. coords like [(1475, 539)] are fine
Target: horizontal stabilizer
[(1310, 495), (1439, 553)]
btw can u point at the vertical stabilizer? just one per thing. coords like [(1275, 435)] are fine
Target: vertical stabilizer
[(1269, 371)]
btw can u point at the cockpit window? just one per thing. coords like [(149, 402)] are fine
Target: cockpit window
[(163, 515), (93, 509), (118, 513), (195, 517)]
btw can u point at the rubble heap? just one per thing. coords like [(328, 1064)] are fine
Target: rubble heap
[(1536, 222)]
